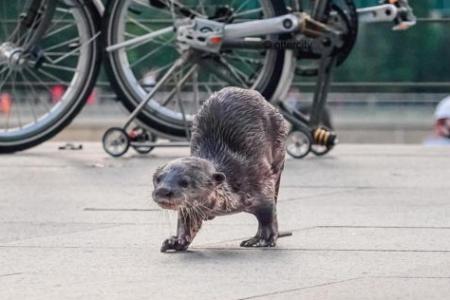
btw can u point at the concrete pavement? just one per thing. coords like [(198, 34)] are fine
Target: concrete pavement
[(369, 222)]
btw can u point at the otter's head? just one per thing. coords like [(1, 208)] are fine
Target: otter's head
[(185, 182)]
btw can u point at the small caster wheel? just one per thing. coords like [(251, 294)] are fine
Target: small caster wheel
[(143, 149), (320, 150), (116, 142), (140, 135), (298, 144)]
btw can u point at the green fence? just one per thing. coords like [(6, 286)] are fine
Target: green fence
[(417, 59)]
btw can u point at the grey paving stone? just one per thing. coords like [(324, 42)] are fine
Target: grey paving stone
[(368, 222)]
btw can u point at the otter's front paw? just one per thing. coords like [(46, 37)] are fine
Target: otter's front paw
[(175, 243)]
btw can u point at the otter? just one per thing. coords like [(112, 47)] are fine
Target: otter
[(237, 157)]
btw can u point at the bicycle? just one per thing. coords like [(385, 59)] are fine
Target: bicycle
[(264, 60), (211, 44)]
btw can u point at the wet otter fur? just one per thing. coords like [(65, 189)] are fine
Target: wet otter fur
[(237, 157)]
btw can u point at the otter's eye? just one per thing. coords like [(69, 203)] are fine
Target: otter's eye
[(183, 183), (158, 179)]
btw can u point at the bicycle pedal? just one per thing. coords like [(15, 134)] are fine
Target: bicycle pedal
[(324, 137)]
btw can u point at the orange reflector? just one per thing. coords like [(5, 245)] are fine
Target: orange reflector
[(215, 40), (5, 103)]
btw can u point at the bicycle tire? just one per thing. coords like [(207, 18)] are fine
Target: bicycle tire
[(13, 142)]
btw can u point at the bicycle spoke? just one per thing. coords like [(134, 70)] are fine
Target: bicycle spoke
[(55, 21), (157, 71), (15, 101), (229, 78), (146, 4), (201, 6), (30, 87), (4, 79), (141, 39), (68, 42), (242, 6), (245, 60), (39, 80), (28, 100), (58, 55), (58, 30), (61, 68), (180, 7), (75, 50), (235, 72), (44, 85), (243, 65), (55, 78), (150, 53), (142, 2), (130, 35), (248, 12), (3, 70), (146, 28), (208, 89)]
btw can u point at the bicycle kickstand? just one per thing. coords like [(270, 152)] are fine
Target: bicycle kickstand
[(307, 134), (322, 136), (116, 140)]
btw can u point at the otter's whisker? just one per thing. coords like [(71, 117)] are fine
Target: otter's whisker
[(199, 212), (202, 206)]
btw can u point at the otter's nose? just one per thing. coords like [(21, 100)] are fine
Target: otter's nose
[(163, 192)]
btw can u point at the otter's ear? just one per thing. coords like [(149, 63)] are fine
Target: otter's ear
[(158, 171), (218, 177)]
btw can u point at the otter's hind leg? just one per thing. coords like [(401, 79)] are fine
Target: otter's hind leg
[(267, 233), (277, 185)]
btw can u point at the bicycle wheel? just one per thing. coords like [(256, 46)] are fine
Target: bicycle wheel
[(44, 85), (134, 68)]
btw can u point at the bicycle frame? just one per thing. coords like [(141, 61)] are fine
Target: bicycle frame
[(192, 33), (209, 35)]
